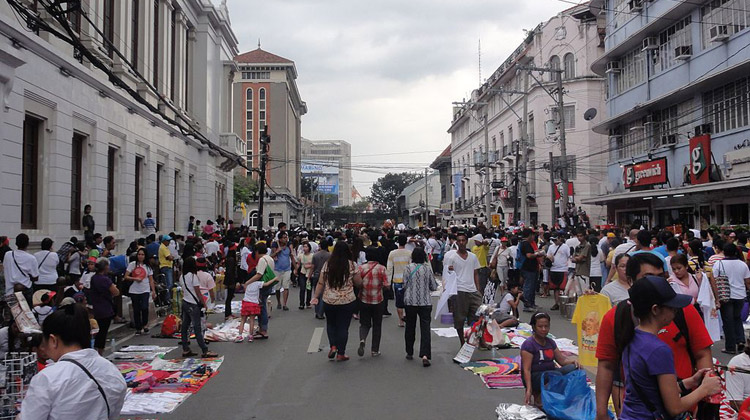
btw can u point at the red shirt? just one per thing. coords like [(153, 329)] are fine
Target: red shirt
[(699, 339), (251, 262)]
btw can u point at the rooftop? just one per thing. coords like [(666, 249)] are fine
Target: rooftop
[(259, 56)]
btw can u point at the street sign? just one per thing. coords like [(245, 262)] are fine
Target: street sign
[(498, 184), (641, 174), (495, 220)]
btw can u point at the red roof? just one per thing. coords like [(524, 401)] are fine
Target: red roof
[(261, 57)]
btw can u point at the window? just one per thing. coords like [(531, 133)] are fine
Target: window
[(532, 177), (111, 162), (187, 68), (176, 198), (633, 70), (249, 121), (738, 213), (76, 179), (570, 66), (569, 114), (620, 13), (262, 109), (29, 171), (628, 140), (733, 13), (173, 60), (159, 169), (726, 108), (137, 202), (677, 119), (155, 63), (109, 27), (530, 129), (510, 133), (677, 35), (554, 64), (256, 75), (74, 19), (558, 163), (134, 16)]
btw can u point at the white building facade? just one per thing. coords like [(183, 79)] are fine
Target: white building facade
[(677, 112), (420, 201), (69, 137), (569, 41), (323, 159)]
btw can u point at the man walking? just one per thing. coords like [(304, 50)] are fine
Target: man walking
[(466, 266), (284, 261), (397, 260), (319, 259), (529, 251)]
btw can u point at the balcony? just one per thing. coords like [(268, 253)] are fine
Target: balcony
[(232, 143)]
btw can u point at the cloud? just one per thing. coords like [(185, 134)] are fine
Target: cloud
[(382, 74)]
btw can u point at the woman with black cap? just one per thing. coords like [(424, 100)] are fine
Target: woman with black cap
[(651, 386)]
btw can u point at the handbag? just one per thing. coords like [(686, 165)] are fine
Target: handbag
[(722, 285), (548, 262)]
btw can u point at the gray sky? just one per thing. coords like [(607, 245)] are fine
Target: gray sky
[(382, 74)]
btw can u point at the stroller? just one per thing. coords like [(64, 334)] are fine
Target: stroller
[(161, 300)]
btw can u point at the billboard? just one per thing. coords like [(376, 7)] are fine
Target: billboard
[(326, 173), (641, 174), (700, 159), (457, 185)]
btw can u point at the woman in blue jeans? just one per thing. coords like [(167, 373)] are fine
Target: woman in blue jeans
[(337, 280), (142, 278), (192, 304)]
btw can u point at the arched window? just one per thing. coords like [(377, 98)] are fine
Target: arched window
[(554, 64), (249, 123), (570, 66), (262, 108)]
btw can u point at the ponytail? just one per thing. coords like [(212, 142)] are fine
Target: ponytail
[(624, 325)]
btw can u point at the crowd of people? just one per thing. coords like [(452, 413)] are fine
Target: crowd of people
[(344, 275)]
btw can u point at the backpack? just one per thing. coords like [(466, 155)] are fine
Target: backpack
[(520, 258), (118, 264)]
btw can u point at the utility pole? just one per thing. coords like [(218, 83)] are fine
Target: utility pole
[(426, 200), (487, 195), (265, 140), (516, 181), (524, 145), (552, 187), (563, 154)]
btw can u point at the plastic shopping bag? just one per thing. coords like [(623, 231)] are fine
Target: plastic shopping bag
[(568, 397)]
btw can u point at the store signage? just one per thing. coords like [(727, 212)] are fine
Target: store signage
[(504, 193), (559, 190), (700, 159), (495, 220), (641, 174)]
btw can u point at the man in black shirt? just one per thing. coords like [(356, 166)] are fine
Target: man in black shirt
[(89, 226), (529, 252)]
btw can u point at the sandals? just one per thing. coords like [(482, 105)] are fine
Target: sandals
[(189, 353), (209, 354)]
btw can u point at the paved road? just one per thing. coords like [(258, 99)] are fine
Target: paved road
[(278, 379)]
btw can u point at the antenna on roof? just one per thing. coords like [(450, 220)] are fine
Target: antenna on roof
[(258, 43), (480, 60)]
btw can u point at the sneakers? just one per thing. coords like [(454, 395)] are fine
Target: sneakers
[(138, 332), (342, 358), (528, 309), (375, 354), (286, 308), (361, 349), (387, 314), (238, 339), (332, 352), (145, 330), (554, 307), (278, 306), (249, 339), (426, 362), (409, 357)]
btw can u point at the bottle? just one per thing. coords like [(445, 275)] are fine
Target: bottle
[(114, 349)]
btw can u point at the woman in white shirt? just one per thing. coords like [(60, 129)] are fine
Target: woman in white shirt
[(499, 262), (738, 275), (192, 305), (142, 286), (47, 261), (80, 384)]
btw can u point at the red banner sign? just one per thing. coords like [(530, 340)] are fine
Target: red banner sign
[(700, 159), (642, 174), (559, 187), (504, 193)]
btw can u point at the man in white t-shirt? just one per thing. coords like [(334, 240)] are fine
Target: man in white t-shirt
[(572, 243), (47, 261), (738, 384), (467, 301), (559, 254), (20, 269)]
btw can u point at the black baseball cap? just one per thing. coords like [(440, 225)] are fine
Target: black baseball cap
[(655, 290)]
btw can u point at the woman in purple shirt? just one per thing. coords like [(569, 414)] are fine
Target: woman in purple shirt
[(538, 355), (651, 386), (101, 294)]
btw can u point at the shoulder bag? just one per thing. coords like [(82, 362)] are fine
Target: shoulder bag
[(548, 262), (722, 284), (199, 301), (99, 387)]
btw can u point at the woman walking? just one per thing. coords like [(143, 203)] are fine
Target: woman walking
[(337, 280), (192, 304), (419, 281), (374, 279), (230, 281), (738, 277), (142, 278), (304, 270), (101, 297)]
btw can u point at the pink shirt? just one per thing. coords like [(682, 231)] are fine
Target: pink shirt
[(691, 289)]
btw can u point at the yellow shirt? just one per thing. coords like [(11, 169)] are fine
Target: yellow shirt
[(481, 252), (163, 254), (590, 310)]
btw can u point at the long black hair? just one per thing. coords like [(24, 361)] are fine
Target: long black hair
[(594, 242), (338, 265), (696, 247), (70, 324), (358, 245)]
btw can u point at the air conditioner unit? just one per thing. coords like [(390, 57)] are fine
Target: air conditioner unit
[(613, 67), (635, 5), (650, 43), (683, 53), (669, 140), (702, 129), (718, 33)]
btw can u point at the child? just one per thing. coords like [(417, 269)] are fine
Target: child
[(507, 313), (251, 306), (42, 300)]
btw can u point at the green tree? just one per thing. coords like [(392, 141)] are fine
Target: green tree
[(385, 190), (245, 189)]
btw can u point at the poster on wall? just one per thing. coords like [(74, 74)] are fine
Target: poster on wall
[(559, 191), (646, 173), (700, 159)]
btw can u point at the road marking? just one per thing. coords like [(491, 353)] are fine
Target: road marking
[(315, 340)]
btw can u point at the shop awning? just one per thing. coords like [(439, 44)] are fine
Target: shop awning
[(669, 192)]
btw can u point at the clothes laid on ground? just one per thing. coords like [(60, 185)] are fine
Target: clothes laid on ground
[(590, 310)]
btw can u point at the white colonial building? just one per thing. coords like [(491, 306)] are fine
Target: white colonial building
[(69, 137), (569, 41)]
